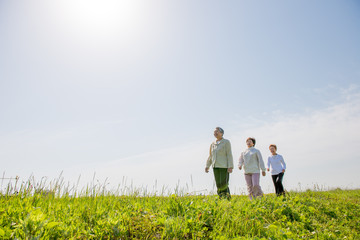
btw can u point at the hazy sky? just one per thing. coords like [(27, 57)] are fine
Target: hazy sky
[(134, 89)]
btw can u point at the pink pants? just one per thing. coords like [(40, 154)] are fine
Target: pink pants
[(253, 185)]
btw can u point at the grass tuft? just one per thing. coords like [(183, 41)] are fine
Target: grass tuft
[(57, 210)]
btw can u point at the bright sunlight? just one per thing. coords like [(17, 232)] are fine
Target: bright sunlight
[(106, 18)]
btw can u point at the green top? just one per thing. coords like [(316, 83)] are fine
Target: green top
[(220, 155)]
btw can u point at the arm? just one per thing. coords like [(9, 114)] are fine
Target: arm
[(209, 160), (241, 160), (268, 164), (230, 161), (261, 162), (283, 164)]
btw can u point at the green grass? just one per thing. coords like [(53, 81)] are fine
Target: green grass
[(302, 215)]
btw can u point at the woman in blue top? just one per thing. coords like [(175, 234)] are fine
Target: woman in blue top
[(278, 166)]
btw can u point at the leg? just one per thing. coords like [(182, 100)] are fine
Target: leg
[(248, 179), (279, 184), (274, 177), (222, 182), (257, 192)]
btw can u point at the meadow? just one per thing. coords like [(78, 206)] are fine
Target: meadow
[(97, 214)]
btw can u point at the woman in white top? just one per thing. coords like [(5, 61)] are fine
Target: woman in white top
[(278, 166), (252, 162)]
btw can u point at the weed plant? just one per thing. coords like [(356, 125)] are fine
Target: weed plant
[(59, 212)]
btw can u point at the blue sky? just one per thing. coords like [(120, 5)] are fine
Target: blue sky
[(133, 85)]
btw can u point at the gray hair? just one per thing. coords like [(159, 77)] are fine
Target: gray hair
[(220, 129)]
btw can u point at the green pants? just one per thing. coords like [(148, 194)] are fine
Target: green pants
[(222, 182)]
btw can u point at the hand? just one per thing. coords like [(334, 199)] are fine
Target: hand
[(283, 170), (264, 173), (268, 169), (230, 170), (207, 170), (240, 167)]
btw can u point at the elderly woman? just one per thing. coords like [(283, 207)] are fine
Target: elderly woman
[(252, 162), (278, 166), (222, 162)]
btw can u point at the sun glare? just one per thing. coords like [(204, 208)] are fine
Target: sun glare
[(105, 17)]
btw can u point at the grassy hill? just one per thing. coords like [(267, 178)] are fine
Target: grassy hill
[(302, 215)]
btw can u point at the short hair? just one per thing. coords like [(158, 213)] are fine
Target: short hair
[(252, 139), (220, 129), (273, 145)]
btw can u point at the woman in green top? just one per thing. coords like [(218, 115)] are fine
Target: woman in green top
[(221, 160)]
